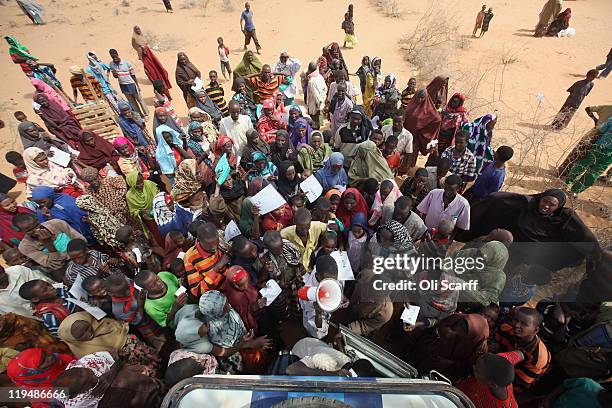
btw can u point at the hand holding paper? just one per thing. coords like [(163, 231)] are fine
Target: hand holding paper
[(271, 291), (267, 200), (410, 314), (312, 188)]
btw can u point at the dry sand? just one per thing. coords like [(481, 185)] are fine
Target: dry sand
[(545, 66)]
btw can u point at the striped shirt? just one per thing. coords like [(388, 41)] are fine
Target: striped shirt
[(74, 269), (537, 357), (124, 71), (216, 94), (464, 166), (51, 320), (77, 82), (266, 90), (198, 268)]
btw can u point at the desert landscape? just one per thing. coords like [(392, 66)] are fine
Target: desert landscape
[(508, 70)]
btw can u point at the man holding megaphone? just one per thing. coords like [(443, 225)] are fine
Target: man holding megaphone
[(321, 295)]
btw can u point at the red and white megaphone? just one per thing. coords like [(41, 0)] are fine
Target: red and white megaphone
[(328, 294)]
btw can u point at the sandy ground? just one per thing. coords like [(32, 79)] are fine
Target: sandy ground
[(546, 66)]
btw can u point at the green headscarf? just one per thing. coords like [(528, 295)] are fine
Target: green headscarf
[(369, 163), (19, 49), (245, 68), (139, 200)]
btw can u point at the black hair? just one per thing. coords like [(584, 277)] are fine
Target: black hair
[(323, 204), (399, 112), (175, 234), (443, 163), (538, 275), (387, 184), (26, 290), (114, 281), (377, 131), (123, 234), (463, 134), (239, 244), (22, 218), (207, 231), (533, 313), (142, 277), (370, 185), (498, 369), (75, 245), (180, 370), (158, 85), (193, 227), (18, 113), (212, 71), (13, 156), (403, 203), (329, 235), (302, 216), (327, 135), (327, 267), (90, 281), (504, 153), (421, 173), (176, 264), (113, 51), (453, 180), (271, 237), (392, 139), (364, 368)]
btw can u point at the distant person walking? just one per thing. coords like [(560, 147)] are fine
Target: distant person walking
[(168, 6), (486, 21), (248, 28), (606, 67), (479, 19), (349, 31), (549, 12), (577, 92)]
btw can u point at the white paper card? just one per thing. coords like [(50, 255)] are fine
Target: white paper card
[(271, 291), (231, 231), (96, 312), (409, 316), (137, 254), (59, 157), (181, 255), (345, 272), (77, 289), (180, 291), (197, 84), (58, 285), (312, 188), (267, 200)]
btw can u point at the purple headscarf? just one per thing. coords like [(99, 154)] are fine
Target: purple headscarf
[(301, 123)]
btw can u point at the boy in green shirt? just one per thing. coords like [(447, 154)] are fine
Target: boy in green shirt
[(161, 303)]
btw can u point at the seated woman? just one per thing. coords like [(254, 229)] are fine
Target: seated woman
[(20, 333), (560, 23), (369, 163), (59, 122), (296, 112), (300, 133), (262, 167), (132, 125), (232, 190), (197, 145), (332, 174), (41, 172), (10, 236), (281, 149), (161, 118), (129, 160), (312, 156), (52, 205), (288, 183), (384, 203), (169, 152), (225, 145), (168, 216), (351, 203), (97, 152), (453, 348), (254, 144), (206, 104), (559, 237), (86, 335), (269, 122), (32, 135), (278, 219), (139, 199)]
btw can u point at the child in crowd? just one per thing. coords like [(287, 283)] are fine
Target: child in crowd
[(19, 169), (390, 153), (224, 53)]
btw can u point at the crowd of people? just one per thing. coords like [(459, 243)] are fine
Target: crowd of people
[(138, 261)]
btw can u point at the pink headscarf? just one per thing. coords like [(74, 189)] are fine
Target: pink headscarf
[(378, 204), (42, 87)]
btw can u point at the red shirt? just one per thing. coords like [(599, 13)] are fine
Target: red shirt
[(21, 174), (393, 161)]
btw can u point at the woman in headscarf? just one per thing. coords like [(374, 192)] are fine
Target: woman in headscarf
[(453, 116), (233, 192), (369, 163), (423, 121), (154, 70), (57, 120), (52, 205), (557, 235), (96, 152), (254, 144), (243, 297), (288, 182), (374, 79), (247, 104), (169, 152), (203, 102), (248, 224), (356, 131), (85, 335), (357, 237), (333, 56), (42, 172), (289, 68), (129, 160), (561, 23), (185, 76), (196, 144), (295, 112), (33, 10), (139, 199), (132, 125), (168, 216), (438, 89), (362, 72), (549, 12), (249, 65), (104, 225), (161, 117), (332, 173), (36, 368), (42, 88), (32, 135), (479, 142), (453, 347), (225, 326), (300, 134), (312, 156), (262, 167), (384, 202), (351, 203), (385, 93), (393, 238), (225, 145), (210, 131), (339, 107), (269, 122), (20, 54), (20, 333), (281, 148), (9, 234)]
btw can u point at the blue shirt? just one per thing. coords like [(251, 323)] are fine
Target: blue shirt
[(490, 181), (247, 16)]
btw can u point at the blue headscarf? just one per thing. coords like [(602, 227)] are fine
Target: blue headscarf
[(63, 208), (194, 143), (163, 153), (269, 170), (129, 126), (327, 177)]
